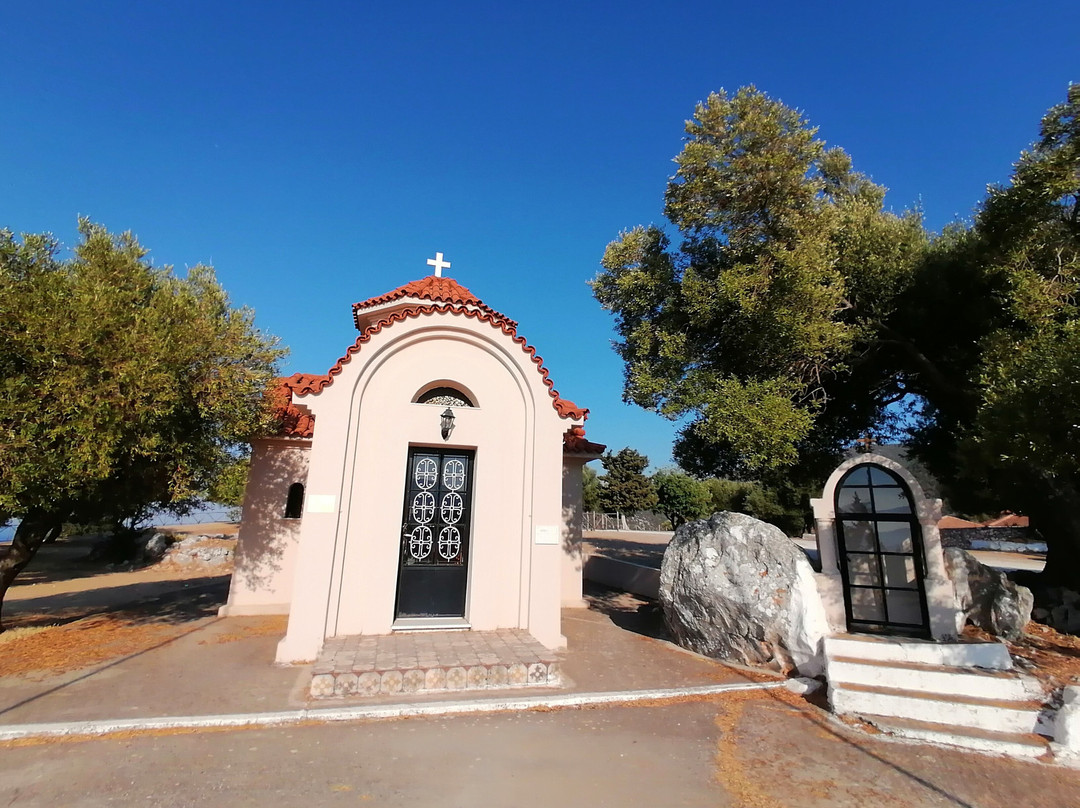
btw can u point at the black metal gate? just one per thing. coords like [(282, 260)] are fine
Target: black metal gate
[(435, 527), (879, 544)]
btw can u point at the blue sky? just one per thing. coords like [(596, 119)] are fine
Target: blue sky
[(319, 153)]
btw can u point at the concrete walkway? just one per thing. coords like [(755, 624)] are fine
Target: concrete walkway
[(222, 666)]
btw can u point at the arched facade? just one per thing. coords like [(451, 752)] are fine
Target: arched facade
[(882, 567), (520, 560)]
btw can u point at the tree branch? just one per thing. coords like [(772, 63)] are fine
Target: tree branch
[(924, 366)]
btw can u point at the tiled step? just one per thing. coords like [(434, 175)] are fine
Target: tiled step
[(431, 662), (436, 679), (997, 715), (939, 679), (1017, 744), (990, 655)]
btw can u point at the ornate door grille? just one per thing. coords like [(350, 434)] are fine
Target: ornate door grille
[(435, 532)]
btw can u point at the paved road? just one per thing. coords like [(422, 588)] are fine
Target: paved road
[(757, 751)]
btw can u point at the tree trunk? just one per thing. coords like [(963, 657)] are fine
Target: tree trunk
[(1056, 515), (33, 531)]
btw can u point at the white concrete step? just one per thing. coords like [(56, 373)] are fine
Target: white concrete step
[(996, 715), (940, 679), (990, 655), (1016, 744)]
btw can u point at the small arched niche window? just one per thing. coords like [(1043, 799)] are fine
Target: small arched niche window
[(294, 504), (445, 396)]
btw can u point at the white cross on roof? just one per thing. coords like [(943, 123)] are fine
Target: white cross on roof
[(439, 264)]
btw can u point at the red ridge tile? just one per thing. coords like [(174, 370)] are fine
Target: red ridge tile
[(435, 289)]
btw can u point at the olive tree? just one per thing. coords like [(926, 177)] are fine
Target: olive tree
[(123, 388)]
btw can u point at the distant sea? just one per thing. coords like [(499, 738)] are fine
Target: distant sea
[(209, 512)]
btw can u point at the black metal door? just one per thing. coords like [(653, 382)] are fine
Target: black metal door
[(435, 526), (881, 554)]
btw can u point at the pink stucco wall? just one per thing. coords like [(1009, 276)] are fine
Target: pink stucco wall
[(266, 545), (348, 545), (573, 559)]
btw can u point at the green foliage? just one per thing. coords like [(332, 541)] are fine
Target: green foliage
[(1012, 438), (795, 310), (123, 388), (624, 487), (590, 490), (757, 323), (680, 497), (728, 495), (229, 485), (782, 505)]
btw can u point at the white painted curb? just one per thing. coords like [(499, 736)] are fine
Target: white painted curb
[(362, 713)]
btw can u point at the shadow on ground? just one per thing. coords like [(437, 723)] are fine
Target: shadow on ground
[(63, 560), (629, 612), (161, 602)]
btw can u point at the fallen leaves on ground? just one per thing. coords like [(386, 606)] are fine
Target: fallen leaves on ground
[(731, 771), (78, 644), (1050, 656), (252, 627)]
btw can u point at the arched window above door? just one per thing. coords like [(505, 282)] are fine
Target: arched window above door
[(445, 394)]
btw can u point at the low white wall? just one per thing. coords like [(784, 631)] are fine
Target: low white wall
[(624, 575)]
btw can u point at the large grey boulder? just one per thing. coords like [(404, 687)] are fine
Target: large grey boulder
[(733, 587), (988, 599)]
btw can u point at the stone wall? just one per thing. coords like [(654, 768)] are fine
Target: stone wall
[(963, 537)]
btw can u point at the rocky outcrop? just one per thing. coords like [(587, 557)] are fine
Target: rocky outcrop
[(1059, 608), (988, 599), (156, 546), (203, 549), (733, 587)]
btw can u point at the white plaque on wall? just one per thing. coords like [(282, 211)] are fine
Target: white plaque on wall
[(321, 503), (547, 534)]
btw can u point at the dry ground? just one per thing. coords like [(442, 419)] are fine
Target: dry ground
[(65, 613)]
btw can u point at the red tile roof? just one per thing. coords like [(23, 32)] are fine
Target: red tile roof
[(575, 442), (465, 305), (292, 421), (954, 522), (1008, 519), (435, 289)]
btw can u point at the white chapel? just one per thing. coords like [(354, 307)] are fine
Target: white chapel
[(430, 479)]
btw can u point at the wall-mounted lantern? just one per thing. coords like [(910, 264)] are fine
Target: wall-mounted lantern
[(447, 422)]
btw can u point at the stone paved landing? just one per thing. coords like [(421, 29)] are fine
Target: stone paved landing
[(431, 662)]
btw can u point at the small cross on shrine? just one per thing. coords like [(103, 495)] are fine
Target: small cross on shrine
[(439, 264)]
